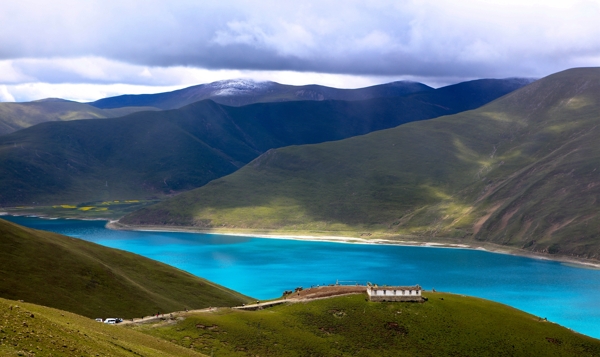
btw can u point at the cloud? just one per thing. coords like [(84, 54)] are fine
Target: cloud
[(81, 92), (9, 73), (5, 95), (147, 42)]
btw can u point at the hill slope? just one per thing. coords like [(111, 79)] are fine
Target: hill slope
[(521, 172), (446, 325), (244, 92), (16, 116), (33, 330), (151, 154), (78, 276)]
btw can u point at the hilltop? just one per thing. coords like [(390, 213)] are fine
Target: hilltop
[(88, 279), (445, 325), (156, 154), (17, 116), (520, 172)]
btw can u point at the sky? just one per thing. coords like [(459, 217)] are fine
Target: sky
[(86, 50)]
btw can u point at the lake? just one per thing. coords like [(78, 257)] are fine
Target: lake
[(263, 268)]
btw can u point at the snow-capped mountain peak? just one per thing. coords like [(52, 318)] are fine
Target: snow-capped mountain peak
[(237, 87)]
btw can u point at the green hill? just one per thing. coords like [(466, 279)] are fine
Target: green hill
[(521, 172), (446, 325), (33, 330), (153, 154), (85, 278), (16, 116)]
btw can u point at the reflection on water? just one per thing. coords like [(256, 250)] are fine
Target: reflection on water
[(264, 268)]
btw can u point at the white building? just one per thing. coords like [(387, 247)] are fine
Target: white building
[(394, 293)]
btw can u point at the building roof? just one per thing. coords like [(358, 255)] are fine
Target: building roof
[(414, 287)]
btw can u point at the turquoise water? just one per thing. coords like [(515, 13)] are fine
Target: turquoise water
[(264, 268)]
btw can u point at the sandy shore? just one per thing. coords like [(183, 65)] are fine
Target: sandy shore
[(402, 241), (488, 247)]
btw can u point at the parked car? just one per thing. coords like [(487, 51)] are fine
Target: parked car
[(113, 320), (99, 320)]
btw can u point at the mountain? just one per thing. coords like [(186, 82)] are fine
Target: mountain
[(88, 279), (16, 116), (241, 92), (472, 94), (152, 154), (521, 172)]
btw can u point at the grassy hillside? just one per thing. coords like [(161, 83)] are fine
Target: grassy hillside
[(153, 154), (521, 172), (16, 116), (85, 278), (33, 330), (244, 92), (446, 325)]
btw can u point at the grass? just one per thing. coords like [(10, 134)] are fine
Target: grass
[(520, 172), (446, 325), (33, 330), (87, 210), (91, 280)]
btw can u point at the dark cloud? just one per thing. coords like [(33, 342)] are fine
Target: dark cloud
[(435, 39)]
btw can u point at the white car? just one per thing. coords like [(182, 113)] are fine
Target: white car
[(111, 321)]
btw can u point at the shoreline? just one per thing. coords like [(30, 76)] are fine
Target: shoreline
[(41, 216), (487, 247)]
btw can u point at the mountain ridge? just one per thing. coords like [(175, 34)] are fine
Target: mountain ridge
[(153, 154), (243, 92)]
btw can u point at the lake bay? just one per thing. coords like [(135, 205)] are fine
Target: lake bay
[(263, 268)]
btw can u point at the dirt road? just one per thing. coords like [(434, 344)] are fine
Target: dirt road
[(314, 293)]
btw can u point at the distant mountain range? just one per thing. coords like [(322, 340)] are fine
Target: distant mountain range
[(158, 153), (243, 92), (16, 116), (522, 172)]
